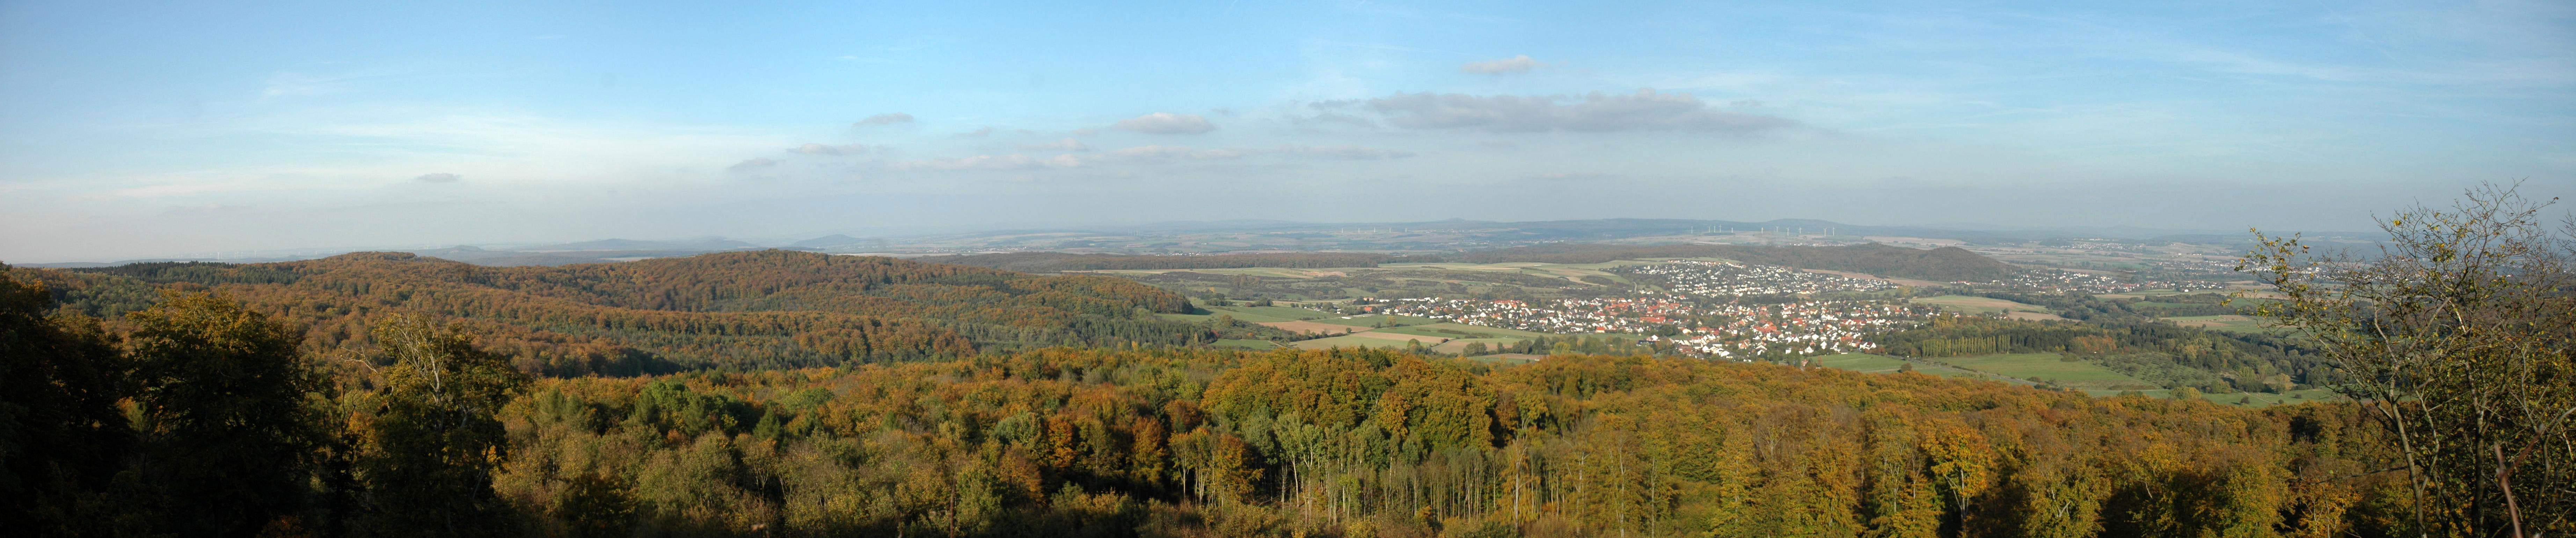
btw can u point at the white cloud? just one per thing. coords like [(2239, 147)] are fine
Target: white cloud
[(889, 118), (1166, 123), (1169, 153), (988, 162), (441, 177), (753, 164), (820, 149), (1149, 155), (1507, 66), (1059, 145), (1645, 110), (1343, 152)]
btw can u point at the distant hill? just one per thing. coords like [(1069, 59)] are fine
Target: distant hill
[(734, 310), (512, 258), (1058, 261), (1947, 264), (700, 245), (827, 241)]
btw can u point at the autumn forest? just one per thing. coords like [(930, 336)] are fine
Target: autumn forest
[(779, 393)]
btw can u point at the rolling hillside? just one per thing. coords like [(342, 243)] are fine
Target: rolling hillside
[(1947, 264), (1058, 261), (729, 310)]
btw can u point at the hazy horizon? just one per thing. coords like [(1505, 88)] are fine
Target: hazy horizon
[(211, 127), (922, 232)]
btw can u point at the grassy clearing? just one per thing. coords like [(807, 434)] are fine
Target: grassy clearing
[(2047, 367), (1460, 345), (1978, 305), (2228, 323), (1232, 343), (2164, 304), (2242, 399), (1507, 359), (1302, 327), (1882, 364), (1385, 339), (1373, 320), (1257, 314), (1456, 330), (1364, 340)]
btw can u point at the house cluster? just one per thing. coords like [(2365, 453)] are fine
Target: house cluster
[(1639, 314), (1745, 331), (1728, 279), (1716, 330), (2204, 266), (2064, 280)]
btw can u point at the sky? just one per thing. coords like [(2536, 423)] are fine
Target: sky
[(164, 129)]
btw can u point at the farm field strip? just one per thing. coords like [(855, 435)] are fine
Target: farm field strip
[(1978, 305), (1871, 363), (2049, 367), (1259, 314)]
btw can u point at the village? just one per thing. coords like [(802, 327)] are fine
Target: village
[(1734, 331), (1734, 311), (2050, 279), (1729, 279)]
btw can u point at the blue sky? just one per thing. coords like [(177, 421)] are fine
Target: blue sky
[(152, 129)]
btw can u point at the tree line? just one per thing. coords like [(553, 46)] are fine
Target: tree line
[(2245, 361), (773, 309), (200, 417)]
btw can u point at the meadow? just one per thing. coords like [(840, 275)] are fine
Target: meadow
[(2049, 368), (1881, 364), (2227, 323), (2239, 399), (1987, 305)]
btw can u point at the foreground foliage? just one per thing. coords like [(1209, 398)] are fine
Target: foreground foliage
[(426, 434), (2459, 339)]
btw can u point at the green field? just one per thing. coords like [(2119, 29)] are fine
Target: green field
[(2162, 304), (1978, 305), (1371, 320), (1357, 341), (1262, 314), (1460, 345), (2046, 367), (2085, 376), (2258, 399), (1246, 344), (1882, 364), (1457, 330), (1507, 359), (2228, 323)]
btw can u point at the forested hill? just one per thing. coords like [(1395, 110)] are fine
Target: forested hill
[(735, 310), (1945, 264), (1357, 443), (1059, 261)]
